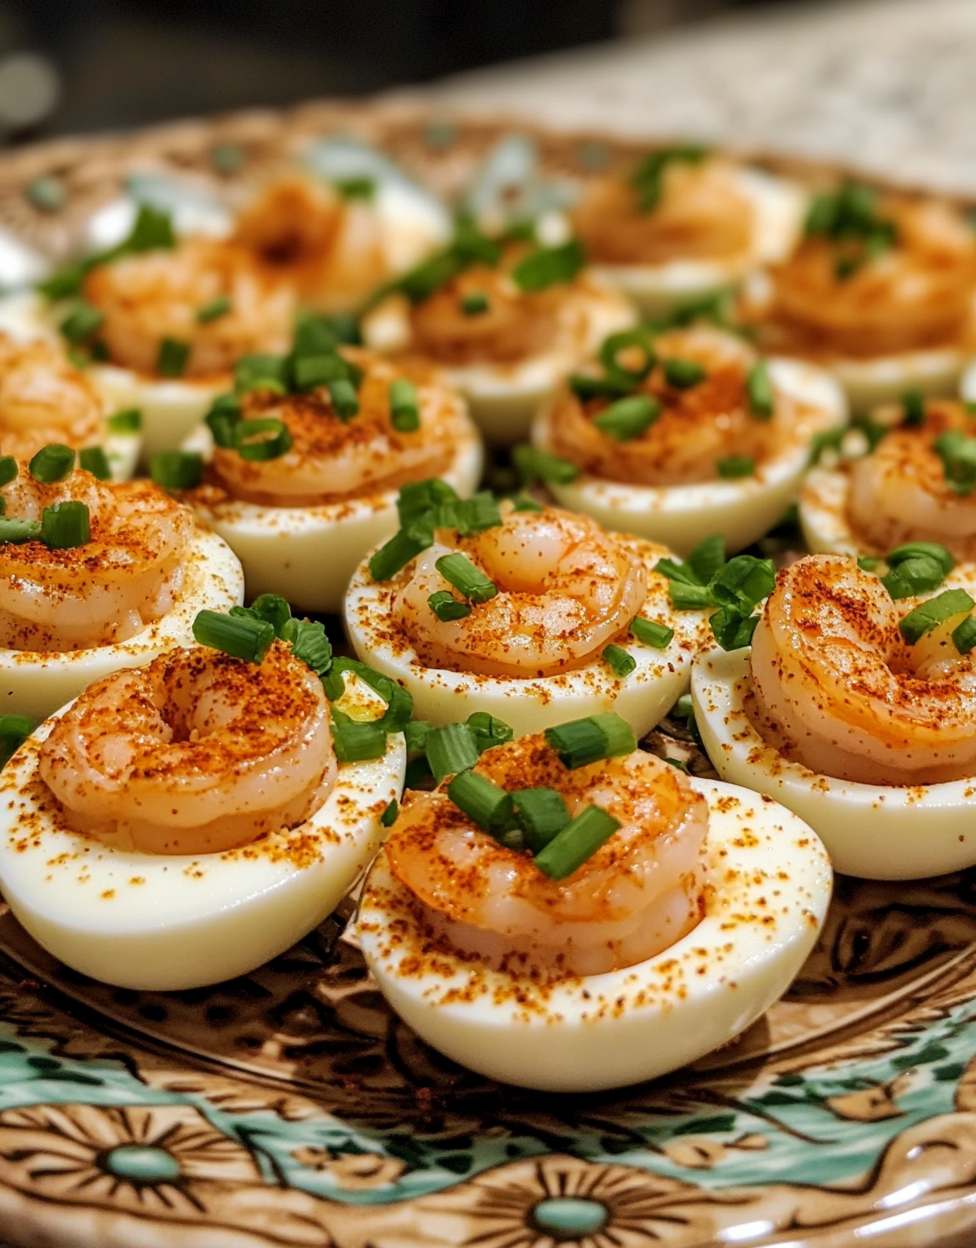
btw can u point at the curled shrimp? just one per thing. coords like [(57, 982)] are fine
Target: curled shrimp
[(157, 296), (195, 753), (104, 591), (898, 493), (918, 293), (636, 895), (333, 459), (701, 215), (43, 399), (565, 589), (697, 426), (837, 689)]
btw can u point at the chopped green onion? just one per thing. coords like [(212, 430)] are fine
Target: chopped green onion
[(127, 421), (418, 774), (470, 581), (576, 842), (272, 608), (676, 762), (261, 440), (685, 597), (318, 370), (631, 341), (473, 515), (396, 554), (18, 531), (8, 470), (356, 188), (527, 504), (731, 628), (404, 406), (314, 336), (735, 466), (535, 465), (485, 804), (475, 303), (648, 178), (488, 731), (619, 660), (743, 583), (94, 460), (172, 358), (585, 386), (14, 731), (708, 558), (214, 310), (683, 374), (762, 403), (446, 607), (549, 266), (345, 400), (65, 525), (81, 322), (52, 463), (917, 568), (418, 497), (399, 703), (151, 231), (242, 637), (415, 734), (868, 563), (541, 814), (389, 816), (650, 633), (176, 470), (913, 405), (826, 440), (592, 739), (964, 636), (958, 455), (261, 372), (931, 614), (222, 419), (451, 750), (628, 418), (308, 643), (356, 742)]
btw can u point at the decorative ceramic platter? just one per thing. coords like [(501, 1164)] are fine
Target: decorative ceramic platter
[(289, 1107)]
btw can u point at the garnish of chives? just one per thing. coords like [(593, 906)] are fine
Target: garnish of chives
[(451, 750), (475, 303), (549, 266), (541, 814), (172, 358), (634, 342), (535, 465), (485, 804), (958, 455), (309, 643), (222, 422), (318, 370), (418, 497), (261, 440), (683, 374), (396, 554), (488, 730), (214, 310), (931, 614), (472, 515), (586, 386), (527, 504), (176, 470), (128, 421), (19, 531), (65, 525), (52, 463), (260, 371), (81, 322), (628, 418), (916, 568), (8, 470), (964, 636), (389, 816), (356, 188), (404, 406), (415, 734), (759, 391), (345, 400), (243, 637), (399, 702), (269, 607), (589, 740), (94, 460), (446, 607), (731, 628), (648, 178), (470, 581), (14, 731), (650, 633), (744, 582), (577, 842), (913, 407), (735, 466), (356, 742), (620, 662)]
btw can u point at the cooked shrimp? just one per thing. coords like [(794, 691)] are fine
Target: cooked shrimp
[(697, 426), (701, 215), (157, 296), (898, 493), (639, 893), (565, 589), (195, 753), (327, 248), (332, 459), (917, 293), (105, 591), (43, 399), (837, 689)]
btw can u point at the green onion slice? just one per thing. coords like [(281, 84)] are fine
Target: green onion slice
[(172, 358), (468, 580), (475, 303), (628, 418), (243, 637), (52, 463), (418, 497), (485, 804), (917, 568), (735, 466), (584, 741), (389, 816), (933, 550), (65, 525), (929, 615), (541, 814), (913, 406), (356, 742), (345, 400), (683, 374), (549, 266), (81, 322), (176, 470), (451, 750), (261, 440), (404, 406), (14, 731), (619, 660), (128, 421), (964, 636), (958, 455), (650, 633), (415, 734), (759, 389), (310, 371), (446, 607), (731, 628), (744, 582), (309, 643), (399, 702), (8, 470), (269, 607), (94, 460), (576, 842), (19, 531), (214, 310), (261, 372), (488, 730), (535, 465), (397, 553), (633, 342)]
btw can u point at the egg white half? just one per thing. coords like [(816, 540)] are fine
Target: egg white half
[(767, 888), (642, 698), (878, 832), (680, 516), (35, 683), (162, 923), (308, 554)]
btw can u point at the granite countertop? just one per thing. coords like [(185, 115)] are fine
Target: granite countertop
[(888, 85)]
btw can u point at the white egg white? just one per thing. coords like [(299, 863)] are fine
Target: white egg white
[(308, 554), (878, 832), (530, 705), (778, 206), (767, 888), (169, 922), (933, 371), (35, 683), (680, 516)]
